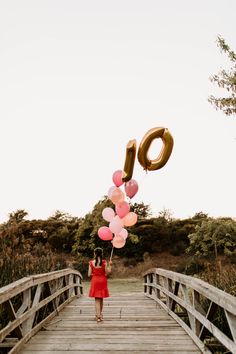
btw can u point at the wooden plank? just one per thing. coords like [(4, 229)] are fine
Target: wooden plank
[(149, 332), (104, 347), (165, 351), (112, 340)]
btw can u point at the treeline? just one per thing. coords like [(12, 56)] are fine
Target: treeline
[(34, 246)]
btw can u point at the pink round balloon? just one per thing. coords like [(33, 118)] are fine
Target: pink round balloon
[(123, 233), (105, 233), (117, 178), (122, 209), (118, 241), (130, 219), (116, 225), (117, 196), (108, 214), (131, 188), (110, 191)]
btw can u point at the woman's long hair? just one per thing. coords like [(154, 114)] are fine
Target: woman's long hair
[(98, 253)]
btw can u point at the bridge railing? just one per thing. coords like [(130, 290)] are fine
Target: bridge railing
[(28, 303), (194, 304)]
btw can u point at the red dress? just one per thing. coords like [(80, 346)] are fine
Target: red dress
[(98, 287)]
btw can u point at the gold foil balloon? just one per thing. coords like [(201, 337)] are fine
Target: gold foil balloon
[(129, 160), (165, 153)]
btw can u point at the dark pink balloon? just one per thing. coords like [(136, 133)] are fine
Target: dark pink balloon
[(117, 178), (105, 233), (122, 209), (131, 188)]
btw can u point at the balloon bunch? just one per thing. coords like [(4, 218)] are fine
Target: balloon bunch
[(121, 217)]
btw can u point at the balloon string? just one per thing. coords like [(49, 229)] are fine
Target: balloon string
[(111, 253), (139, 184), (145, 176)]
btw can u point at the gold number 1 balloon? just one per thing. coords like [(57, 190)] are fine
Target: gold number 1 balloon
[(165, 153), (129, 160)]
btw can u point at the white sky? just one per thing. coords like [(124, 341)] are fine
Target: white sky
[(79, 79)]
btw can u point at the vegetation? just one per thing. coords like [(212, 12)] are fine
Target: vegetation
[(226, 80), (36, 246), (201, 246)]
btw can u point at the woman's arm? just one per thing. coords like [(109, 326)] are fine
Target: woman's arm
[(89, 271), (108, 267)]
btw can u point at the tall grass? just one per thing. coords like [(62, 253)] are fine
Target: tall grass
[(15, 265)]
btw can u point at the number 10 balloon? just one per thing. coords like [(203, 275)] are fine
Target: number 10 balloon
[(144, 146)]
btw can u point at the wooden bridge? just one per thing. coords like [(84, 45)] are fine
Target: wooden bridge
[(48, 314)]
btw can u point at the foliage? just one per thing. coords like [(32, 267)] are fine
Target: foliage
[(87, 238), (227, 81), (143, 211), (213, 237), (61, 229), (32, 246)]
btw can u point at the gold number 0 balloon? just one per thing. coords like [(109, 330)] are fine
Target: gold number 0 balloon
[(165, 153)]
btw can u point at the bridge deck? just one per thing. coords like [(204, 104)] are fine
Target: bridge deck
[(132, 323)]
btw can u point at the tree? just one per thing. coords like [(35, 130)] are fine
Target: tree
[(17, 216), (143, 211), (87, 234), (213, 237), (226, 80)]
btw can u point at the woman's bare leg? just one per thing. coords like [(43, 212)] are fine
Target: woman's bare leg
[(97, 307), (101, 306)]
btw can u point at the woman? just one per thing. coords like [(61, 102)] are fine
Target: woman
[(98, 269)]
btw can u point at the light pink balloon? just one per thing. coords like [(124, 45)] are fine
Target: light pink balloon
[(117, 178), (110, 191), (131, 188), (118, 241), (117, 196), (116, 225), (122, 209), (130, 219), (105, 233), (108, 214), (123, 233)]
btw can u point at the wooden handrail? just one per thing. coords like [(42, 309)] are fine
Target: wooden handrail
[(29, 302), (182, 295)]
